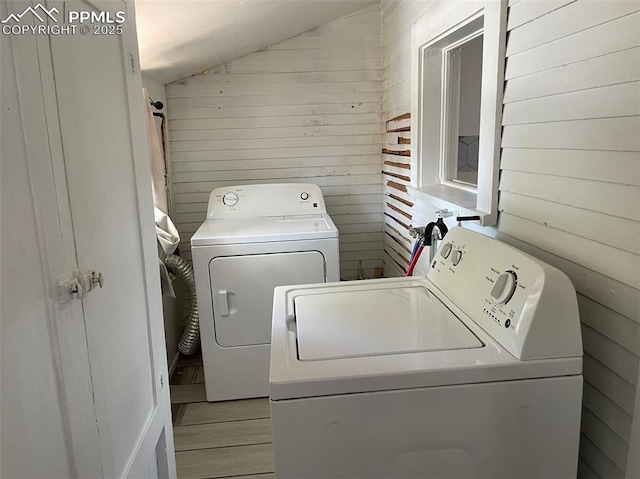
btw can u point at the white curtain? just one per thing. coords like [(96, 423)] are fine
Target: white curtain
[(166, 232)]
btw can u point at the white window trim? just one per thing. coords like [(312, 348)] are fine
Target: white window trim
[(428, 181)]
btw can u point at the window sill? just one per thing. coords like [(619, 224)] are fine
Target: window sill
[(458, 200)]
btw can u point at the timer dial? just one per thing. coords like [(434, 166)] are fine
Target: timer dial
[(446, 250), (230, 199), (504, 287), (456, 256), (304, 196)]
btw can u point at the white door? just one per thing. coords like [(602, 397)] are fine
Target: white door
[(111, 343), (242, 291)]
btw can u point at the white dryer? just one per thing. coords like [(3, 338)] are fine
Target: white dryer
[(255, 237), (473, 371)]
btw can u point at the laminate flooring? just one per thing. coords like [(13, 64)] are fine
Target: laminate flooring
[(229, 439)]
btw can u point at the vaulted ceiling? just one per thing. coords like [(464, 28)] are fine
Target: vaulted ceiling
[(178, 38)]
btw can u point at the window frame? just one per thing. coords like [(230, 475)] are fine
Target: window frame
[(436, 32)]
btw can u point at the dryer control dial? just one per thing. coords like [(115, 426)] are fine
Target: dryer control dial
[(230, 199), (504, 287), (304, 196)]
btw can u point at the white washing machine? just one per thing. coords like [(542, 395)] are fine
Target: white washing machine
[(473, 371), (255, 237)]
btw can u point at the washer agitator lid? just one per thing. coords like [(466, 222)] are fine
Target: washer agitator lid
[(376, 322)]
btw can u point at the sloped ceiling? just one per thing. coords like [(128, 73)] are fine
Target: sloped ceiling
[(178, 38)]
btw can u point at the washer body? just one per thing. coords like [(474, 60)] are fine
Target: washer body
[(256, 237), (473, 371)]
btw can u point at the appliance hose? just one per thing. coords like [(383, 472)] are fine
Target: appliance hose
[(415, 259), (416, 245), (190, 339)]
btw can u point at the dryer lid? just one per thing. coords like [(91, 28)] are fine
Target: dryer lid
[(264, 229), (363, 323)]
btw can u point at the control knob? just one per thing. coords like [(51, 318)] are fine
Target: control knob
[(456, 257), (504, 287), (446, 250), (230, 199), (304, 196)]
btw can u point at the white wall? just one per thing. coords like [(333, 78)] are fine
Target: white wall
[(569, 188), (304, 110)]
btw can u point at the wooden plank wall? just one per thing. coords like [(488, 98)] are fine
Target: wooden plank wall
[(396, 172), (305, 110), (570, 182)]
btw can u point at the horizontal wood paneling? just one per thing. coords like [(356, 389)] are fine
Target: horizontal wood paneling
[(617, 264), (211, 90), (260, 143), (622, 167), (266, 163), (617, 35), (569, 190), (277, 153), (621, 361), (611, 69), (571, 19), (269, 122), (608, 442), (614, 387), (304, 110), (274, 173), (598, 461), (614, 326), (585, 471), (603, 102), (577, 221), (608, 412), (524, 12), (273, 111), (617, 134), (608, 198), (282, 99)]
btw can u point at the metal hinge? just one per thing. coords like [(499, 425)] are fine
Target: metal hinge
[(78, 286)]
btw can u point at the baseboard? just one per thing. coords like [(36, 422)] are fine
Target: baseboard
[(174, 363)]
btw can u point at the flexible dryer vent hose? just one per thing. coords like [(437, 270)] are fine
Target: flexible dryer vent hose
[(190, 339)]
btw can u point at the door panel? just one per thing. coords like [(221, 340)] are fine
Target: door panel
[(100, 112), (242, 291)]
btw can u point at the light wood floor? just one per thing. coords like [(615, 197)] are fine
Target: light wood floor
[(218, 440)]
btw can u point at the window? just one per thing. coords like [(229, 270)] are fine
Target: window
[(458, 51)]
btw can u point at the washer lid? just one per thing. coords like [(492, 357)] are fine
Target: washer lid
[(264, 229), (363, 323)]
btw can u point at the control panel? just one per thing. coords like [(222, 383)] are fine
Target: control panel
[(523, 303), (252, 201)]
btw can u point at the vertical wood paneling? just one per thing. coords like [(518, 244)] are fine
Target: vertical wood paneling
[(305, 110), (570, 165)]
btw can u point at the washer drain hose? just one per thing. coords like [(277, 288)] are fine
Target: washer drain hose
[(190, 339)]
